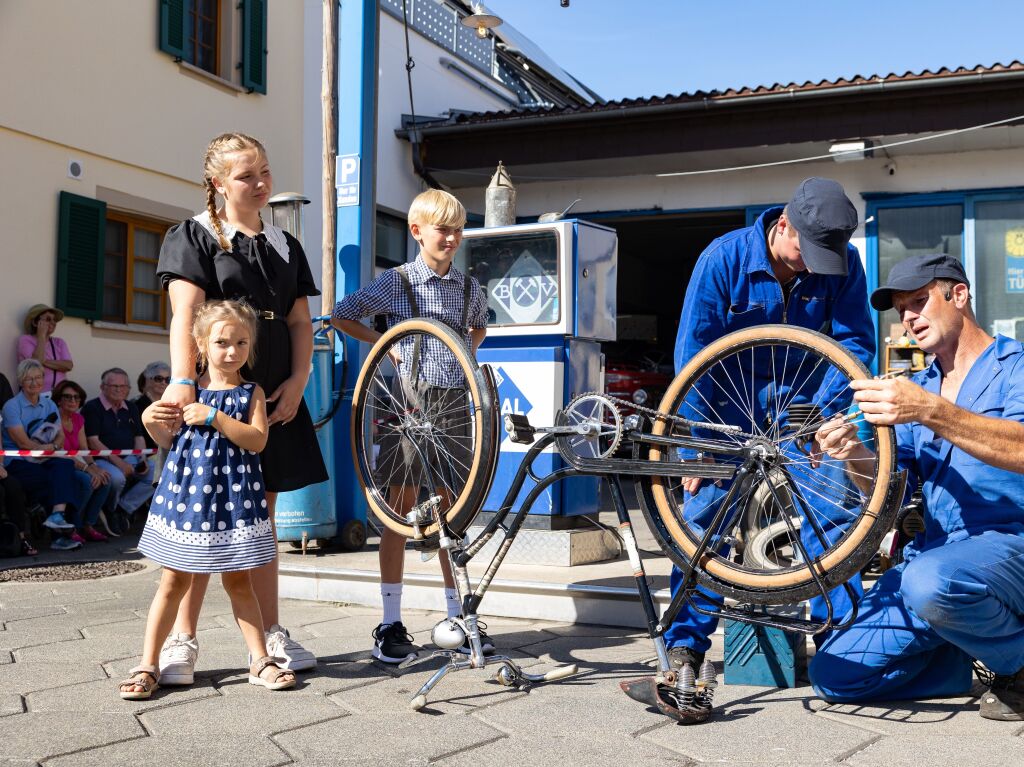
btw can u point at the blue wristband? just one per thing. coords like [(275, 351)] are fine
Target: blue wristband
[(210, 416), (184, 381)]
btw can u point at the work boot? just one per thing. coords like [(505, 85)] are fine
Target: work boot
[(679, 655), (1004, 700)]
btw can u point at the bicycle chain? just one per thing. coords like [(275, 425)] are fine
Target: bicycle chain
[(678, 419)]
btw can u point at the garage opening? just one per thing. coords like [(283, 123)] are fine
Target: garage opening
[(657, 254)]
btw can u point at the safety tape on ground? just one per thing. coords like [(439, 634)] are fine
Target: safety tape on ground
[(71, 453)]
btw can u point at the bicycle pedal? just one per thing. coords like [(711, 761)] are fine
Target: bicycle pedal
[(649, 691), (519, 429)]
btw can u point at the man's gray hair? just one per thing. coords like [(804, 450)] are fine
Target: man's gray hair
[(112, 371)]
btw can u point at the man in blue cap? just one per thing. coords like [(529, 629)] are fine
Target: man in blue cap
[(959, 594), (793, 266)]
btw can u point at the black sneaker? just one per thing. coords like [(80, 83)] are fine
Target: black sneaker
[(392, 643), (486, 644), (1004, 700), (677, 656)]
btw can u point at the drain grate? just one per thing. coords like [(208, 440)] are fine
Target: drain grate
[(72, 571)]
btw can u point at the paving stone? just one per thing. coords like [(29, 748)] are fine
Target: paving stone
[(6, 657), (11, 703), (129, 627), (38, 631), (296, 612), (574, 721), (42, 735), (581, 749), (249, 751), (399, 739), (98, 613), (229, 715), (101, 696), (747, 729), (30, 676), (42, 598), (956, 716), (99, 650), (16, 611), (941, 750)]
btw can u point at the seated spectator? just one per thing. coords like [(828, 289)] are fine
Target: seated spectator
[(6, 392), (93, 482), (39, 343), (113, 423), (31, 422), (152, 382), (13, 509)]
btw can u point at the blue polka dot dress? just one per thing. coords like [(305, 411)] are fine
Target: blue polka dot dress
[(209, 512)]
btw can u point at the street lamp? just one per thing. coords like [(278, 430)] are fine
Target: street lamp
[(481, 20), (286, 212)]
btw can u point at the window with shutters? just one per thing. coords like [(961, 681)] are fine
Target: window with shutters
[(226, 39), (203, 29), (131, 291)]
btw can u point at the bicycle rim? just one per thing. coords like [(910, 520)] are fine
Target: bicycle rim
[(410, 443), (774, 383)]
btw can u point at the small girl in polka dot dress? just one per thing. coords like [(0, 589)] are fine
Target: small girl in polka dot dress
[(209, 512)]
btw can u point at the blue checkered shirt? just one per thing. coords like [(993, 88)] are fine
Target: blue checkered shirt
[(438, 298)]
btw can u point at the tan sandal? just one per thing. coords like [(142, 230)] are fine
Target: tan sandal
[(146, 677), (278, 678)]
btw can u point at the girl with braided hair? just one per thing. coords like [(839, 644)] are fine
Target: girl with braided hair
[(228, 252)]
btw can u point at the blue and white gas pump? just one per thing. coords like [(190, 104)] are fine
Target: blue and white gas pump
[(551, 302)]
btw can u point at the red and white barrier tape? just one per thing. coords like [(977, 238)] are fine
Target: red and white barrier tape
[(71, 453)]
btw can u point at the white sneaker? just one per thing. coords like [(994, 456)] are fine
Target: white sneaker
[(178, 660), (281, 645)]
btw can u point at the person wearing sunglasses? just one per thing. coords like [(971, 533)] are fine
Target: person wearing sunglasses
[(92, 481), (152, 382), (39, 343)]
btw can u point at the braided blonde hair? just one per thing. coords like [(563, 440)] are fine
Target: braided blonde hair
[(215, 165)]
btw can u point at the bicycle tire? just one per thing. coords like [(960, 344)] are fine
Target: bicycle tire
[(717, 571), (371, 408)]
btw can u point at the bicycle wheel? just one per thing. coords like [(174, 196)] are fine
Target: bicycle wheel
[(775, 384), (426, 430)]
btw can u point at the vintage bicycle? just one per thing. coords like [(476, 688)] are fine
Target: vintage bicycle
[(725, 470)]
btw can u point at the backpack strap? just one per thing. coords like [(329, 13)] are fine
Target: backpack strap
[(465, 303), (414, 365)]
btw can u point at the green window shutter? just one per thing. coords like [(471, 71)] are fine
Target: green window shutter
[(81, 238), (254, 45), (172, 27)]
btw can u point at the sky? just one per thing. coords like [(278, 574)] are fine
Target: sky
[(631, 48)]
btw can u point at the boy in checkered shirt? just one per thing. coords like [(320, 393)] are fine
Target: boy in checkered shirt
[(429, 287)]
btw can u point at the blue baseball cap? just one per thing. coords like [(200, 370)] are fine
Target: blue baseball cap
[(825, 219), (916, 272)]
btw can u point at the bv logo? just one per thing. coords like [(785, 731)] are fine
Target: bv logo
[(511, 397)]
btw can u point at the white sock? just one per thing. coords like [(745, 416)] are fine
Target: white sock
[(391, 594), (451, 598)]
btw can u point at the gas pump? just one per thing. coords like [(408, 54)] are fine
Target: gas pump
[(550, 290)]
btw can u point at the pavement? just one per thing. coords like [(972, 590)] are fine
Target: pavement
[(65, 644)]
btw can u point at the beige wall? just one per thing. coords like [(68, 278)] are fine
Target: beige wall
[(92, 85)]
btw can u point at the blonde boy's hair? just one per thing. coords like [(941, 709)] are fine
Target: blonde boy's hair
[(437, 208)]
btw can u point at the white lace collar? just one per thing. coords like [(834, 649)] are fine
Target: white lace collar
[(275, 235)]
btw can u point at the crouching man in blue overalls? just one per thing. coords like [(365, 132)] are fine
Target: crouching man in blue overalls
[(959, 595)]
